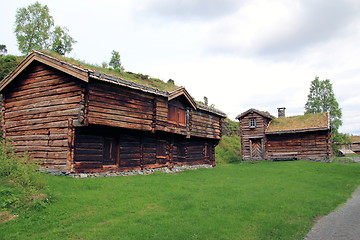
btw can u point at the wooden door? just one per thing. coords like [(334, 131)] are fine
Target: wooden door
[(110, 151), (257, 149)]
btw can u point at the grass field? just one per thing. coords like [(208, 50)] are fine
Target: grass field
[(265, 200)]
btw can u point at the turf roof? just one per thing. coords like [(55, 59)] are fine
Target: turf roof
[(355, 139), (129, 76), (299, 123)]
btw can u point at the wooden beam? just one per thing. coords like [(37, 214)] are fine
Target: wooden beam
[(71, 143)]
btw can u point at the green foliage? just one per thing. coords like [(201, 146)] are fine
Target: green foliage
[(322, 99), (230, 128), (33, 30), (171, 81), (206, 101), (7, 64), (62, 42), (20, 184), (3, 49), (135, 77), (32, 27), (228, 150), (115, 61), (266, 200)]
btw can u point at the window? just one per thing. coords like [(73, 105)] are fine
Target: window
[(252, 122), (177, 112)]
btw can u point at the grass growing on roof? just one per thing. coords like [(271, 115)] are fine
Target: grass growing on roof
[(265, 200), (316, 120), (134, 77)]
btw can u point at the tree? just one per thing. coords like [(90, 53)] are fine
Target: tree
[(206, 100), (32, 27), (322, 99), (34, 30), (61, 41), (7, 64), (3, 50), (115, 61)]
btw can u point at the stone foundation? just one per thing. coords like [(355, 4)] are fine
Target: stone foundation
[(175, 169)]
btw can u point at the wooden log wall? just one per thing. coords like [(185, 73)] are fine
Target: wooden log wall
[(246, 132), (137, 150), (355, 147), (116, 106), (37, 106), (314, 146), (204, 124)]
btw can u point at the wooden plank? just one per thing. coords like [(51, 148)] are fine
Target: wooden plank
[(53, 102), (119, 111), (65, 109), (62, 97), (116, 123), (60, 124), (50, 92)]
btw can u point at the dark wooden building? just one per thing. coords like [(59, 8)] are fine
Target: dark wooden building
[(73, 119), (353, 148), (264, 137)]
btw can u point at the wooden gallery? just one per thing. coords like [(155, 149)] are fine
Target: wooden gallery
[(306, 137), (72, 119)]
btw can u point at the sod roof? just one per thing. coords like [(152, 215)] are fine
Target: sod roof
[(303, 123), (355, 139)]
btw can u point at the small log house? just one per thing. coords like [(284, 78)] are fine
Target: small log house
[(353, 148), (264, 137), (72, 119)]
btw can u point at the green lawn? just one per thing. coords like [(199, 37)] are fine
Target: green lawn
[(266, 200)]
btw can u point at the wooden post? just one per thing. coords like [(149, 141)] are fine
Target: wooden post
[(171, 149), (251, 153), (83, 106), (3, 129), (187, 123), (213, 162), (141, 153), (71, 140), (86, 106), (154, 112)]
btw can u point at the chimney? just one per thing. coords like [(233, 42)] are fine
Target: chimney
[(281, 112)]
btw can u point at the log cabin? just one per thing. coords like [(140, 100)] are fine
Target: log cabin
[(264, 137), (353, 148), (72, 119)]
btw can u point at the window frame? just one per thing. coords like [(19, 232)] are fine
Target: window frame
[(252, 122)]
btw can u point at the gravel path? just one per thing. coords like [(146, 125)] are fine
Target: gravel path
[(342, 224)]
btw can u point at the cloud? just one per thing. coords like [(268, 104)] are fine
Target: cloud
[(189, 10), (280, 26)]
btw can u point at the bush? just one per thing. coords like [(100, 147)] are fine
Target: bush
[(228, 150), (20, 183)]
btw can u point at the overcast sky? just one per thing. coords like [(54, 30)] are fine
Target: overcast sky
[(241, 54)]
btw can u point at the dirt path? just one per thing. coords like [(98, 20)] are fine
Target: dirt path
[(342, 224)]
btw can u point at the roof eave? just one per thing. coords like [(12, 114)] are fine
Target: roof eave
[(297, 130), (252, 110), (181, 91), (70, 69)]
